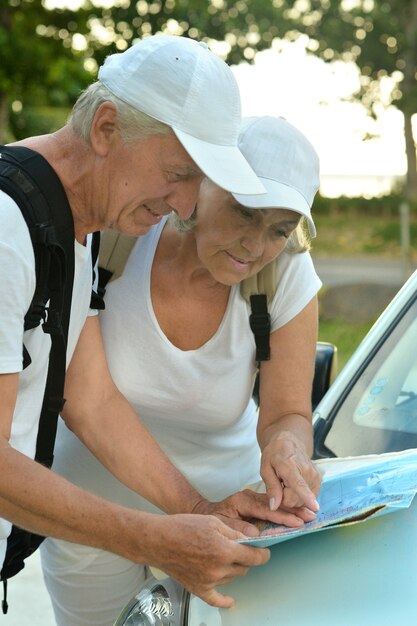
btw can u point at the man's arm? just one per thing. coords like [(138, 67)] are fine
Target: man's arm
[(198, 550), (106, 423)]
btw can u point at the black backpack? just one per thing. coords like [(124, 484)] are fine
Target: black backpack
[(35, 187)]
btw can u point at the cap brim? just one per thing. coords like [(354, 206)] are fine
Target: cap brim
[(278, 196), (224, 165)]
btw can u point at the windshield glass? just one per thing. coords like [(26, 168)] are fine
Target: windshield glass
[(379, 414)]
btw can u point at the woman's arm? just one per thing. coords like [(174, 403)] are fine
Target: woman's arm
[(284, 425)]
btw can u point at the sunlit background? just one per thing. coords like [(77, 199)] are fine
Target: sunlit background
[(310, 93), (359, 155)]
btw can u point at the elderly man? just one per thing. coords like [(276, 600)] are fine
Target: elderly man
[(162, 115)]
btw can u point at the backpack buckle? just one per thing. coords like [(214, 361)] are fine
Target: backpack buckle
[(52, 323), (260, 323), (35, 315)]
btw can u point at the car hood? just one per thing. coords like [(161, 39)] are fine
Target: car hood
[(364, 574)]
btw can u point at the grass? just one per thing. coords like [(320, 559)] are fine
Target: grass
[(344, 335), (345, 230), (352, 233)]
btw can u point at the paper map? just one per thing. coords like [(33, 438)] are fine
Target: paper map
[(353, 490)]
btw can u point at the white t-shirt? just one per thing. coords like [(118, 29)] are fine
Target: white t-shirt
[(17, 284), (196, 403)]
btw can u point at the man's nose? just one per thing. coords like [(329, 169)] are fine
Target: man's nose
[(183, 198)]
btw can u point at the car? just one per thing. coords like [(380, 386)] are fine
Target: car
[(363, 574)]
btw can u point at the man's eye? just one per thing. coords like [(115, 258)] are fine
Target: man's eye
[(248, 215), (174, 177)]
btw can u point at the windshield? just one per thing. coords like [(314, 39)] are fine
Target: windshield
[(379, 413)]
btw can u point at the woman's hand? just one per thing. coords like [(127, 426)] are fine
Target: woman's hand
[(291, 479)]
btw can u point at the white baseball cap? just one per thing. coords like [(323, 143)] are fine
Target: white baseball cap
[(181, 83), (286, 163)]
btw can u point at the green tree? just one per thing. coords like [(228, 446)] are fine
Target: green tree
[(37, 64), (45, 53), (381, 38)]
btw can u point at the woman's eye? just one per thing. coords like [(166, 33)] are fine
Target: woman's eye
[(278, 232)]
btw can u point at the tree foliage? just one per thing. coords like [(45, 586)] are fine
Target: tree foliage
[(48, 55), (381, 38), (37, 64)]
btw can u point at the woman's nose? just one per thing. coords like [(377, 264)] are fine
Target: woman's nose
[(254, 243)]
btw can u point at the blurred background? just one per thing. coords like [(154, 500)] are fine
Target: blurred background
[(343, 71)]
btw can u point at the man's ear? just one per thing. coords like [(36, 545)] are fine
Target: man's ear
[(104, 128)]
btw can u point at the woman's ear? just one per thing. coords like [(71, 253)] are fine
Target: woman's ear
[(104, 130)]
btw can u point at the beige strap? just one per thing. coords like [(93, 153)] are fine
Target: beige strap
[(262, 282), (114, 251)]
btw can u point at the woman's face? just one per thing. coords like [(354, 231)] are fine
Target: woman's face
[(235, 242)]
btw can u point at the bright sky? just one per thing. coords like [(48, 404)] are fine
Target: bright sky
[(308, 92)]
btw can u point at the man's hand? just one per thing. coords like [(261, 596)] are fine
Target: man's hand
[(291, 479), (201, 552), (236, 510)]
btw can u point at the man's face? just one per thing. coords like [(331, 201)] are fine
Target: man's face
[(149, 179)]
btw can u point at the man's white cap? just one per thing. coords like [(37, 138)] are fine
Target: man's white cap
[(182, 83), (286, 163)]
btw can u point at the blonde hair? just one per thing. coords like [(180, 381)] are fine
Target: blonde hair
[(299, 240), (133, 124)]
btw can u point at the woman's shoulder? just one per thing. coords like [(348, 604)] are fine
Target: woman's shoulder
[(296, 284), (295, 266)]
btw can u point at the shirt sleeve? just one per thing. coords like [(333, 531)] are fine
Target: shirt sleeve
[(297, 284), (17, 283)]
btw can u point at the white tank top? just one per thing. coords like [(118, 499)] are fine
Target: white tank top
[(196, 403)]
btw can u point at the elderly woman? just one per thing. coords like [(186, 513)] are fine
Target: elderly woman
[(180, 348)]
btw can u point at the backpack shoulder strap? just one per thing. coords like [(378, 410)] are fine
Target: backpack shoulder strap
[(29, 179), (115, 249), (262, 282), (44, 204), (258, 291)]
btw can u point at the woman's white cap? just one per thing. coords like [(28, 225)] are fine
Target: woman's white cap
[(286, 163), (182, 83)]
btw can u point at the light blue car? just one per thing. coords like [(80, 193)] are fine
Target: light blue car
[(360, 575)]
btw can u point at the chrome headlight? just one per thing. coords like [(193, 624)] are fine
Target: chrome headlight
[(158, 603)]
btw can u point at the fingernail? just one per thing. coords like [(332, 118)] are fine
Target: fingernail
[(272, 504), (316, 505)]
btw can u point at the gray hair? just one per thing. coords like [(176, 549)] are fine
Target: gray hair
[(299, 240), (133, 124)]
